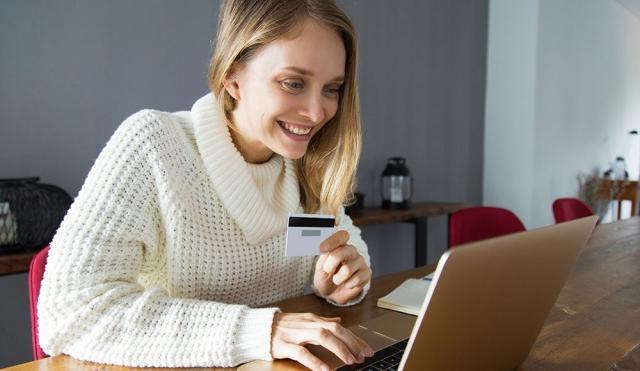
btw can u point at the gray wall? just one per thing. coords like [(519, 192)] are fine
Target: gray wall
[(71, 71), (422, 83)]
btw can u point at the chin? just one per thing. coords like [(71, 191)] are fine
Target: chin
[(292, 154)]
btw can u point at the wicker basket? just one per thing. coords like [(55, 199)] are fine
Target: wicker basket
[(30, 213)]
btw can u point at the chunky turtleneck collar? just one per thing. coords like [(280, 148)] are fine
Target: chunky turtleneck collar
[(260, 213)]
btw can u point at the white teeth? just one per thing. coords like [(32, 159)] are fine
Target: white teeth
[(295, 130)]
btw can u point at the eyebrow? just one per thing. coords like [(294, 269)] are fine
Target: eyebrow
[(304, 72)]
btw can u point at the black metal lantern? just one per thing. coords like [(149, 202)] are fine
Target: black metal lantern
[(396, 184)]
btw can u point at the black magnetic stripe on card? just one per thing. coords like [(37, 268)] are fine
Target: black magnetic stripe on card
[(296, 221)]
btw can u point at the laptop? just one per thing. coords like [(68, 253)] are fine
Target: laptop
[(486, 305)]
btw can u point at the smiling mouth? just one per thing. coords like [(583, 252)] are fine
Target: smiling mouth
[(295, 130)]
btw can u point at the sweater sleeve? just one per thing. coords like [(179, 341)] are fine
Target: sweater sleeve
[(92, 305), (355, 239)]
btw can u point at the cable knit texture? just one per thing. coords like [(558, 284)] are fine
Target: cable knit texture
[(170, 245)]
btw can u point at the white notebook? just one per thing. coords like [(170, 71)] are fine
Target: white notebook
[(408, 297)]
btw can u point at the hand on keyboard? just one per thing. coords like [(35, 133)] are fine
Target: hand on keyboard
[(291, 331)]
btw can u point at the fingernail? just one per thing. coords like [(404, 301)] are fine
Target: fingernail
[(325, 368)]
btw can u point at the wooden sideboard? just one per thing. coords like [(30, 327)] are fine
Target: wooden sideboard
[(618, 191), (15, 263), (417, 214)]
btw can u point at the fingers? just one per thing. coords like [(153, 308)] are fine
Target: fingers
[(298, 353), (335, 240), (345, 348), (338, 256), (356, 346), (348, 269), (358, 279), (342, 295), (291, 331), (320, 262), (306, 317), (331, 319), (352, 287)]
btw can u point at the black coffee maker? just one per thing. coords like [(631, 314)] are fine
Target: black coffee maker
[(396, 184)]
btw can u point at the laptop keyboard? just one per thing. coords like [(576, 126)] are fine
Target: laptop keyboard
[(385, 359)]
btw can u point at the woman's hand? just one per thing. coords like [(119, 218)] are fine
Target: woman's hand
[(341, 271), (291, 331)]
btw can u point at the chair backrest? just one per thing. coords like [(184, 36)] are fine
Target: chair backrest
[(481, 222), (36, 271), (565, 209)]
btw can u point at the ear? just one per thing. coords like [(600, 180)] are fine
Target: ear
[(231, 84)]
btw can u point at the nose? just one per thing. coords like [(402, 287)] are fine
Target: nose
[(314, 108)]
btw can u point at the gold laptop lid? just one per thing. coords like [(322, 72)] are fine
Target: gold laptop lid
[(489, 300)]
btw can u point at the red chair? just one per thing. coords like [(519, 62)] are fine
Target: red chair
[(479, 223), (565, 209), (36, 271)]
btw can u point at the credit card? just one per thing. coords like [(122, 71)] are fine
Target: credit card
[(306, 232)]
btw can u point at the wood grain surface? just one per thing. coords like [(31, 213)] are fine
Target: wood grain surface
[(595, 321), (592, 326), (15, 263), (374, 215)]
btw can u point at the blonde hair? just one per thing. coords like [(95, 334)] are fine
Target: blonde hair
[(327, 170)]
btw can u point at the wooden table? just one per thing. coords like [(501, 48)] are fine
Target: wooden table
[(596, 318), (592, 326), (619, 190), (417, 215), (19, 263)]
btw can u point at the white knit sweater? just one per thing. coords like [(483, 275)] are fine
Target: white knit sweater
[(170, 242)]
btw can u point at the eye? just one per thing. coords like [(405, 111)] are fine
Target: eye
[(332, 91), (293, 85)]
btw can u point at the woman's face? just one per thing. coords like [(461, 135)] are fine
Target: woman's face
[(286, 92)]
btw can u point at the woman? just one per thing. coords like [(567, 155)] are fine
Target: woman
[(178, 232)]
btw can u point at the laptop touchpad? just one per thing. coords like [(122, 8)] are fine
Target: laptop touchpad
[(375, 340), (395, 325)]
